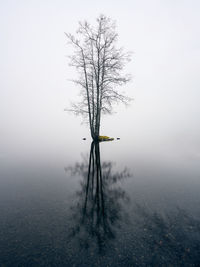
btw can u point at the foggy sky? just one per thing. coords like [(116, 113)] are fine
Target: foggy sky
[(34, 88)]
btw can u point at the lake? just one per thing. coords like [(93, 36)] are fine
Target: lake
[(117, 203)]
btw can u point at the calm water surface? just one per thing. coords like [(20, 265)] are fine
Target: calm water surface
[(107, 204)]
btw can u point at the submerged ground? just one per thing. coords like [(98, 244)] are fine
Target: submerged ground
[(111, 205)]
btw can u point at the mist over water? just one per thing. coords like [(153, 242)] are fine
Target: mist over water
[(143, 209)]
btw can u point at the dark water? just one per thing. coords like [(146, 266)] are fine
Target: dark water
[(104, 204)]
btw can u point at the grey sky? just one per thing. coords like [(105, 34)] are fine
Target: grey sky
[(34, 90)]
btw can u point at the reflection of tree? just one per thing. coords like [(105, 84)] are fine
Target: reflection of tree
[(151, 238), (99, 208)]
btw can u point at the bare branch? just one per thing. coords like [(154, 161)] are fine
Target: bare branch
[(100, 65)]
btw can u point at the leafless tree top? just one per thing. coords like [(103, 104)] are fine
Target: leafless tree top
[(99, 64)]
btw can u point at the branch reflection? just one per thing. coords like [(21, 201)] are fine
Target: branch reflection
[(99, 209)]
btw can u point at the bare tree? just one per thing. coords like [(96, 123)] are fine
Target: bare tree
[(99, 64)]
